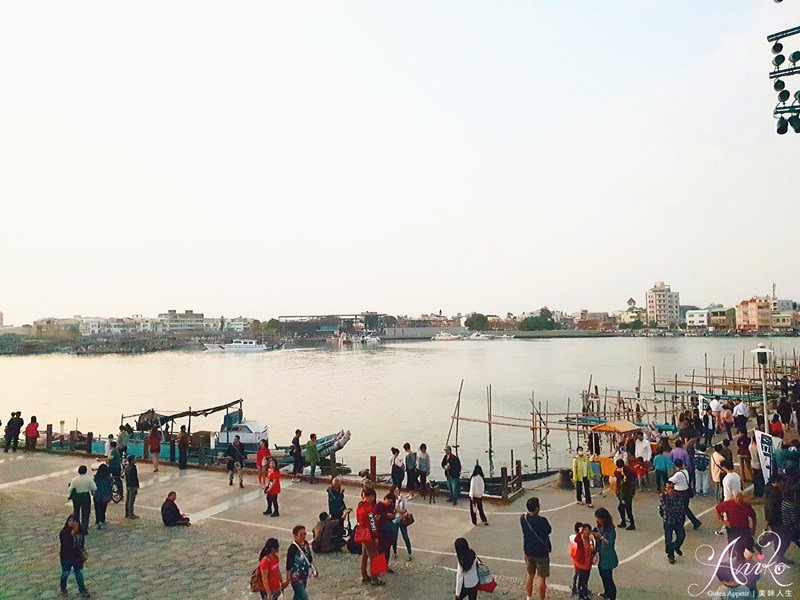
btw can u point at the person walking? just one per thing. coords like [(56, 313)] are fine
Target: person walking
[(262, 461), (154, 446), (31, 435), (626, 490), (81, 489), (701, 462), (717, 474), (396, 468), (297, 456), (131, 486), (739, 519), (466, 571), (367, 535), (102, 495), (312, 456), (740, 414), (605, 541), (401, 519), (581, 469), (423, 468), (726, 417), (236, 455), (183, 448), (13, 427), (683, 489), (477, 487), (410, 460), (299, 559), (336, 503), (672, 509), (272, 488), (581, 549), (536, 547), (123, 439), (272, 583), (452, 470), (730, 484), (72, 555)]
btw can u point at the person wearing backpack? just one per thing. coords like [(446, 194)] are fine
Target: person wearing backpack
[(701, 471)]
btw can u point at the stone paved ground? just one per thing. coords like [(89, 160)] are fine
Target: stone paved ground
[(142, 559)]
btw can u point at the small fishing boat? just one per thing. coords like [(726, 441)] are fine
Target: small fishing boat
[(444, 336), (369, 339)]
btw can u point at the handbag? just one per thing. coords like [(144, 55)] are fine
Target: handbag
[(362, 535), (379, 564), (406, 519), (486, 582)]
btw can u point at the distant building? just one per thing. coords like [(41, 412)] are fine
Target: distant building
[(722, 318), (782, 320), (754, 314), (663, 306), (185, 321), (53, 327), (777, 306), (697, 319)]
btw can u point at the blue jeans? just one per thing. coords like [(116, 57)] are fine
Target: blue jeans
[(671, 545), (453, 488), (66, 567), (299, 590)]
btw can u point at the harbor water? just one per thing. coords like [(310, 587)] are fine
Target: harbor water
[(384, 394)]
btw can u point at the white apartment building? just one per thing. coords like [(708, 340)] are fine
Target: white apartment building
[(697, 319), (663, 306), (188, 320)]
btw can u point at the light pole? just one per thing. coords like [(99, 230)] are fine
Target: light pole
[(762, 354)]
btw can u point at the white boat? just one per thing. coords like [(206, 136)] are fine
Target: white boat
[(444, 336), (369, 339), (242, 346), (249, 432), (505, 336), (478, 336)]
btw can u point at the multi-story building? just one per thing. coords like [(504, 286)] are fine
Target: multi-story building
[(185, 321), (663, 306), (697, 319), (754, 314), (721, 318), (782, 305)]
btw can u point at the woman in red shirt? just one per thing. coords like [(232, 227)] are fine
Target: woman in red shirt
[(154, 444), (775, 427), (262, 462), (367, 534), (31, 435), (271, 581), (273, 488)]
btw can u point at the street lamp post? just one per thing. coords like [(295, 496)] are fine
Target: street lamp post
[(762, 354)]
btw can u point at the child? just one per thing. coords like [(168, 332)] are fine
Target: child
[(641, 473), (581, 550), (662, 463), (270, 566), (578, 527), (273, 488)]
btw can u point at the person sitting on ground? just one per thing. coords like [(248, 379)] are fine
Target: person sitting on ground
[(171, 514), (328, 535)]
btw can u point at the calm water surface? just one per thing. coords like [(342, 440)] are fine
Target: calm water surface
[(386, 395)]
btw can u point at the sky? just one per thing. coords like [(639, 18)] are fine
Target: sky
[(288, 158)]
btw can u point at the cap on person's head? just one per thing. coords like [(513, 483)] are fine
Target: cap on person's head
[(448, 449)]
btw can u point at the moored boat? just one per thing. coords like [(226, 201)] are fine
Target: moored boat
[(444, 336), (242, 345)]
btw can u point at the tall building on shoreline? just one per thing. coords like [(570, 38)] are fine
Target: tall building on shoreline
[(663, 306)]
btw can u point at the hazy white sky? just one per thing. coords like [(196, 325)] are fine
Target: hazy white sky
[(266, 158)]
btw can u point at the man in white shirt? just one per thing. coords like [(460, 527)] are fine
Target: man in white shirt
[(680, 479), (740, 414), (731, 484), (644, 451), (81, 489)]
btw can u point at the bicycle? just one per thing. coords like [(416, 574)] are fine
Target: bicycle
[(117, 489)]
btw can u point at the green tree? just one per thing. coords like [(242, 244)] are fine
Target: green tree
[(544, 321), (477, 322)]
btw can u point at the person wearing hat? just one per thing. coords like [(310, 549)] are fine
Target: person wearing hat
[(452, 470), (297, 456)]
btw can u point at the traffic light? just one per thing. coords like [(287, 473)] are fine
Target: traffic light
[(783, 126)]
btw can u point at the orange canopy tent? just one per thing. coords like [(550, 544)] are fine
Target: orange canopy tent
[(616, 427)]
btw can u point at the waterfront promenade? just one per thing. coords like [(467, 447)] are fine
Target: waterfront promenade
[(214, 558)]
